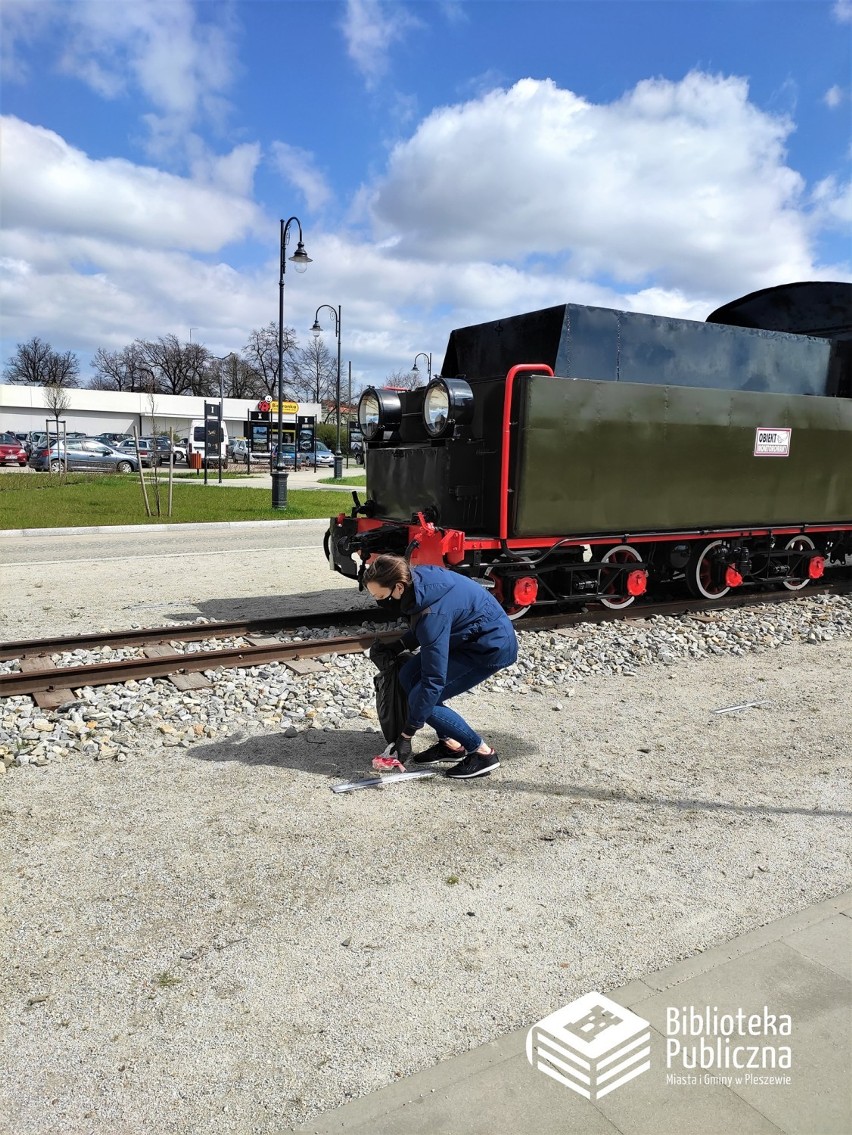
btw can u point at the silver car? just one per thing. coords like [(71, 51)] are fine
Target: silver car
[(82, 454)]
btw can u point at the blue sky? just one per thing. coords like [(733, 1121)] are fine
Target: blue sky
[(450, 161)]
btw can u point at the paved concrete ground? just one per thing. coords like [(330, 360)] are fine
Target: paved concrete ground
[(800, 965), (303, 479)]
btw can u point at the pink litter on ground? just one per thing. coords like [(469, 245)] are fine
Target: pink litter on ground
[(385, 764)]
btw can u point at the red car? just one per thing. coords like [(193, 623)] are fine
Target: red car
[(11, 451)]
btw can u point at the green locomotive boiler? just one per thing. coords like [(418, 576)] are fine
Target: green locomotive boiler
[(578, 454)]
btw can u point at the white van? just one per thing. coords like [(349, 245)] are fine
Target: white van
[(195, 444)]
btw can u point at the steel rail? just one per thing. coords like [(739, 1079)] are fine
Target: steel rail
[(189, 632), (124, 670), (192, 632), (50, 677)]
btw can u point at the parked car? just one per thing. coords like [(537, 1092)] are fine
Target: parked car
[(152, 450), (238, 449), (321, 455), (11, 451), (324, 456), (163, 447), (179, 450), (112, 440), (33, 439), (38, 439), (82, 455)]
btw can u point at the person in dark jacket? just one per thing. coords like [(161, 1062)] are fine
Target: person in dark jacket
[(464, 636)]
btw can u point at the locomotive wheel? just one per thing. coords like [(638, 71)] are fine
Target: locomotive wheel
[(517, 612), (699, 574), (798, 544), (612, 596), (499, 593)]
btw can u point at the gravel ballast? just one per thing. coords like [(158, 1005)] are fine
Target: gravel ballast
[(201, 937)]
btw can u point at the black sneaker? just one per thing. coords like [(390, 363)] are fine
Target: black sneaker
[(438, 752), (474, 764)]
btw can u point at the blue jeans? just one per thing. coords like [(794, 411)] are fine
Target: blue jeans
[(464, 672)]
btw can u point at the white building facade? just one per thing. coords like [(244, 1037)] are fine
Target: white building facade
[(23, 409)]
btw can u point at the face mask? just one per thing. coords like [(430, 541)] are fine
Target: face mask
[(391, 605)]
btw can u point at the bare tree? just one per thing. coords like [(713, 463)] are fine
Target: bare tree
[(57, 399), (261, 356), (237, 378), (403, 379), (35, 363), (118, 370), (315, 372), (246, 382), (176, 368)]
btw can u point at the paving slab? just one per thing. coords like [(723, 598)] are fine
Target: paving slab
[(829, 943), (745, 943), (796, 967), (818, 1001)]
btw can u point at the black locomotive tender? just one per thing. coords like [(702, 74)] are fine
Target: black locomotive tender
[(581, 454)]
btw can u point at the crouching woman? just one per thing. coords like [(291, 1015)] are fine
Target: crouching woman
[(463, 635)]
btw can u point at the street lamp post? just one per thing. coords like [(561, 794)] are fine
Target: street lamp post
[(415, 373), (300, 260), (221, 359), (317, 331)]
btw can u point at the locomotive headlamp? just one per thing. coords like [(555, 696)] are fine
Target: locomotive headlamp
[(448, 403), (379, 413)]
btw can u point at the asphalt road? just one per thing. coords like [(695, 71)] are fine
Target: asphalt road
[(65, 584), (165, 542)]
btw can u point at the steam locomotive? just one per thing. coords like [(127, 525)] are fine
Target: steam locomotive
[(581, 454)]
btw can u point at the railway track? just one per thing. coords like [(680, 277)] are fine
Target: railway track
[(189, 632), (39, 675)]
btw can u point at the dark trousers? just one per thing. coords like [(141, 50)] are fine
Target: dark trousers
[(464, 671)]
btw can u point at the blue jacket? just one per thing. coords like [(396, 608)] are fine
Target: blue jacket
[(451, 614)]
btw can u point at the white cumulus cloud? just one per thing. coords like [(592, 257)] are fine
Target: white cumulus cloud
[(683, 184), (49, 185)]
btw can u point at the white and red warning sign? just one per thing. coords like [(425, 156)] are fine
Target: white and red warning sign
[(772, 442)]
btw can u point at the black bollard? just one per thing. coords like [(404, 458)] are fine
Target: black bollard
[(279, 488)]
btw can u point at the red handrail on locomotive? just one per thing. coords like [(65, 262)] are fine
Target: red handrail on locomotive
[(522, 368)]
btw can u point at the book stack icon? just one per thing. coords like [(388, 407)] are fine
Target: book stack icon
[(592, 1046)]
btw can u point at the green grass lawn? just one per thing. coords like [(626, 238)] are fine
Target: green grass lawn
[(356, 480), (40, 501)]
